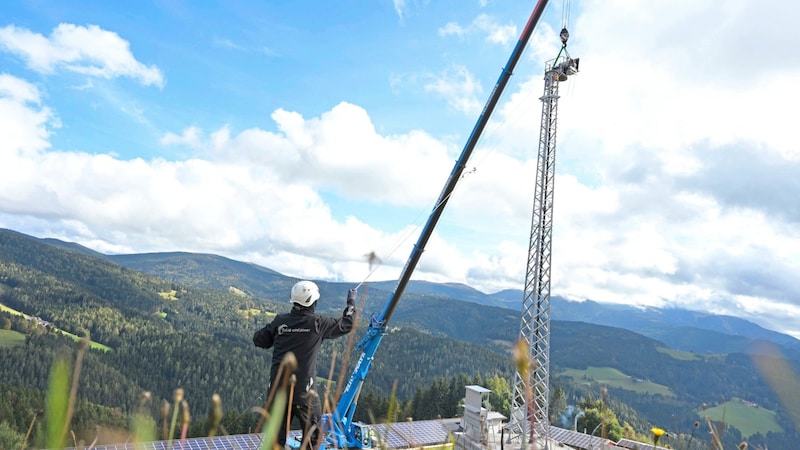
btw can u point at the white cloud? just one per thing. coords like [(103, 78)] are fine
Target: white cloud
[(399, 8), (88, 50), (459, 88), (452, 28), (24, 120), (341, 151), (496, 33), (484, 24), (191, 137), (18, 90)]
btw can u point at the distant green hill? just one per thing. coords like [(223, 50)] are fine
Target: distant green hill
[(210, 272)]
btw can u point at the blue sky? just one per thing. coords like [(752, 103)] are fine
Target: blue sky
[(256, 57), (302, 135)]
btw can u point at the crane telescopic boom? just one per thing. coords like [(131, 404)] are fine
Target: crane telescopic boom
[(341, 431)]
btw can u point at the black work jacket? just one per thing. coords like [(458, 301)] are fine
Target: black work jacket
[(301, 331)]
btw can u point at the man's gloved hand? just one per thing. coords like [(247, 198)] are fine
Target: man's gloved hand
[(351, 302)]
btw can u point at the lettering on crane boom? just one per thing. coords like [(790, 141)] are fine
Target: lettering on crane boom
[(358, 364)]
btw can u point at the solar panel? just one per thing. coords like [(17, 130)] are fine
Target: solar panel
[(411, 434)]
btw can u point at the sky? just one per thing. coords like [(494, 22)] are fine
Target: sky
[(302, 136)]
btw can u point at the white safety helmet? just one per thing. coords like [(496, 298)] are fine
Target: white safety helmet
[(305, 293)]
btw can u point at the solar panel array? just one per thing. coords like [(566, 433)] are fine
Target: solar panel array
[(394, 435), (399, 435)]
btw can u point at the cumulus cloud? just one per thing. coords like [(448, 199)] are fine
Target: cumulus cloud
[(459, 88), (494, 32), (341, 151), (88, 50), (191, 137), (452, 28), (25, 121), (747, 175)]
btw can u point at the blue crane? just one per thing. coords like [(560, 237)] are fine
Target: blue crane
[(341, 432)]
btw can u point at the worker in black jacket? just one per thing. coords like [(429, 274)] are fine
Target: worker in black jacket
[(301, 331)]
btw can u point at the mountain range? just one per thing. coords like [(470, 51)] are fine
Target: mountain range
[(681, 329)]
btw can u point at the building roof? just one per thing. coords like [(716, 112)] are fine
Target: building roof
[(477, 388)]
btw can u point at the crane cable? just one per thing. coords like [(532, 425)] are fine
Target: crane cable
[(375, 262)]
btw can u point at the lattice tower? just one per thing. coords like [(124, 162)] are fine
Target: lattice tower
[(529, 411)]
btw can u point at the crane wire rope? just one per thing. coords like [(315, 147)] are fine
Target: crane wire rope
[(402, 239)]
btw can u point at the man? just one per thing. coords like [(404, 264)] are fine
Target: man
[(301, 331)]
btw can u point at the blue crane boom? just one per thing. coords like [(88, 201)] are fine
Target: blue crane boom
[(341, 431)]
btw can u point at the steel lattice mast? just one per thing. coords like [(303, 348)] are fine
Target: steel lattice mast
[(529, 411)]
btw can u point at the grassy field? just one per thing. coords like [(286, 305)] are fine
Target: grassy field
[(169, 295), (678, 354), (614, 378), (92, 344), (252, 312), (10, 338), (748, 419)]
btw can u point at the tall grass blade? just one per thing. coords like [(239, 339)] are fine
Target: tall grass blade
[(56, 403), (271, 426)]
